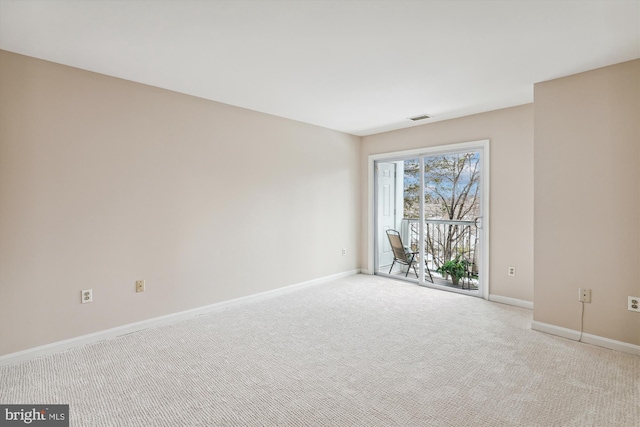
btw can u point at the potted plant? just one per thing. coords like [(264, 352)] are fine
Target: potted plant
[(455, 267)]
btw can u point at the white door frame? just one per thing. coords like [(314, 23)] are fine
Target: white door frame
[(485, 188)]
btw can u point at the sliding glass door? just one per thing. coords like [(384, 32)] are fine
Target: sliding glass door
[(429, 217)]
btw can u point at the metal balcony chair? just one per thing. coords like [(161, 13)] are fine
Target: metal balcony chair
[(403, 255)]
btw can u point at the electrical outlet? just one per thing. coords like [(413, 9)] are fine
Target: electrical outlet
[(344, 251), (634, 304), (86, 296), (584, 295), (139, 285), (511, 271)]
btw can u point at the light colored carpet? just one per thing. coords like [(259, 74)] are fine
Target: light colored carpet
[(359, 351)]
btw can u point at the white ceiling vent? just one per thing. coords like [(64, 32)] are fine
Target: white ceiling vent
[(421, 117)]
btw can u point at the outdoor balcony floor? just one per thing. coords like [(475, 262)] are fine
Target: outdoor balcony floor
[(437, 280)]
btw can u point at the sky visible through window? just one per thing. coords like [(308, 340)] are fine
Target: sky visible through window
[(451, 186)]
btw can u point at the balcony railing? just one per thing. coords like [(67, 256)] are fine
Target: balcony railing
[(445, 240)]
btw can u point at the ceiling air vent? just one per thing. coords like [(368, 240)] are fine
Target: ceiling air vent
[(421, 117)]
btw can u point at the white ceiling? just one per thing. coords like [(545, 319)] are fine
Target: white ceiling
[(360, 67)]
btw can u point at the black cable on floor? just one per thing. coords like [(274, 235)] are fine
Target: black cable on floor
[(581, 322)]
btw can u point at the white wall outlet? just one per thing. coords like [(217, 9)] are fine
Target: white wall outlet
[(344, 251), (86, 296), (139, 285), (634, 304), (511, 271), (584, 295)]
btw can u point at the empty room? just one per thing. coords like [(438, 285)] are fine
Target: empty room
[(319, 213)]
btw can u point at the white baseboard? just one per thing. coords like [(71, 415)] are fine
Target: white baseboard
[(60, 346), (511, 301), (586, 338)]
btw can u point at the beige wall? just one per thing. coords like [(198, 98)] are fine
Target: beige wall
[(510, 132), (587, 200), (105, 181)]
